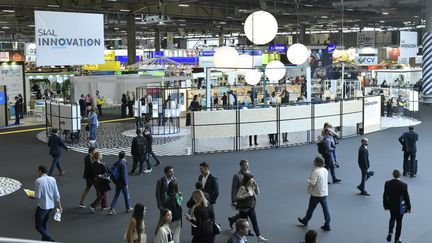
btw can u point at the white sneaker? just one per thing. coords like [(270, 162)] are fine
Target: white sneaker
[(147, 171), (262, 239)]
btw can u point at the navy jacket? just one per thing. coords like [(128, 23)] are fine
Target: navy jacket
[(363, 158), (395, 191), (211, 187), (55, 144), (123, 173), (408, 140)]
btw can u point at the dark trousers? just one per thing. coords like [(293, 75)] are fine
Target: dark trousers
[(101, 198), (123, 110), (41, 222), (55, 163), (255, 139), (409, 166), (389, 111), (313, 202), (253, 218), (285, 137), (395, 216), (154, 157), (99, 107), (364, 177), (139, 159), (329, 165)]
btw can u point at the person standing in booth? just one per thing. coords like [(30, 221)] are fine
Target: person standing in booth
[(99, 102), (18, 107), (124, 103)]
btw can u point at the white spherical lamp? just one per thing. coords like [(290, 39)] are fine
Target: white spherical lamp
[(261, 27), (298, 54), (275, 70), (225, 58), (253, 77), (245, 61)]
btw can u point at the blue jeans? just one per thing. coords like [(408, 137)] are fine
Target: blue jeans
[(313, 202), (153, 155), (125, 192), (93, 128), (55, 163), (41, 221)]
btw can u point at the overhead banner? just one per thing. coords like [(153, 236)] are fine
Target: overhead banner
[(69, 38), (408, 44), (366, 38)]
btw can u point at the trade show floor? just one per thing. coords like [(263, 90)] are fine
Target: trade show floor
[(281, 174)]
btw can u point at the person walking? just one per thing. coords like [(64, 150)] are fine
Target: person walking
[(149, 137), (18, 110), (55, 144), (101, 182), (163, 232), (121, 184), (318, 190), (135, 232), (246, 202), (408, 140), (202, 217), (124, 103), (93, 124), (396, 200), (89, 175), (210, 182), (235, 185), (150, 107), (162, 187), (174, 204), (242, 229), (47, 197), (363, 162), (329, 147), (139, 152)]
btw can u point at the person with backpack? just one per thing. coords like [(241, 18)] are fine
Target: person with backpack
[(119, 176), (139, 153), (173, 203), (101, 181)]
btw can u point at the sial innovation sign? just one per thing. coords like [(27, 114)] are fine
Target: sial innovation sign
[(68, 38)]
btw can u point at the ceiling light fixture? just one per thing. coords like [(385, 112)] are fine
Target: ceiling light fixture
[(309, 5), (349, 9), (8, 10), (53, 6), (124, 10), (31, 25), (183, 5), (5, 27), (385, 13)]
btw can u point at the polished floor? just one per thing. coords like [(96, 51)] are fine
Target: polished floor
[(281, 173)]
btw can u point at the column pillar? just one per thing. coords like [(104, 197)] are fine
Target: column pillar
[(427, 55), (131, 38), (157, 41)]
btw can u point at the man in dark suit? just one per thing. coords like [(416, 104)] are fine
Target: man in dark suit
[(139, 153), (363, 162), (18, 110), (55, 144), (396, 200), (210, 182), (82, 105), (408, 140), (162, 186)]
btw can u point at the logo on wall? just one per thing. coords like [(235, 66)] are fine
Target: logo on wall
[(331, 48), (367, 60)]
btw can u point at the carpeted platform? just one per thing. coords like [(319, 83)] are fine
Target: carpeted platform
[(281, 173)]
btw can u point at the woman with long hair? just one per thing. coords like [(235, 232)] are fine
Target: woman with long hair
[(135, 232), (246, 201), (101, 181), (173, 203), (202, 219), (163, 232)]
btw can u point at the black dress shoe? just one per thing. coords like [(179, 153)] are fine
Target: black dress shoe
[(364, 193), (157, 163), (256, 143), (326, 227), (389, 236), (398, 241), (404, 173), (336, 181), (231, 222), (302, 221), (359, 188), (250, 234)]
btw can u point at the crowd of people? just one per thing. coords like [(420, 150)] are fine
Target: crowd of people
[(200, 211)]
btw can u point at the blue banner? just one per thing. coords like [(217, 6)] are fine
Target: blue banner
[(2, 98)]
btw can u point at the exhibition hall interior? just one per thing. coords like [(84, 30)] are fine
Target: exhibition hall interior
[(203, 121)]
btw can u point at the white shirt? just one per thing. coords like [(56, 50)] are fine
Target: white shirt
[(318, 182), (204, 179), (46, 192), (164, 235), (149, 99)]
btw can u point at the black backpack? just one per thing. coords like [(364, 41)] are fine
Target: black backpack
[(321, 147), (140, 145)]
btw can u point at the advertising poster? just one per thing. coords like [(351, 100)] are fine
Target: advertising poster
[(68, 38), (372, 114), (408, 44), (366, 38), (30, 52), (11, 75), (318, 60)]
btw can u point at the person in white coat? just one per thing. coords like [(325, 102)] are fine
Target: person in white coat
[(163, 232)]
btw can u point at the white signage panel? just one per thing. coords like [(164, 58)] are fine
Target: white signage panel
[(69, 38), (30, 52), (11, 75), (367, 60), (366, 38), (205, 62), (372, 114), (408, 44)]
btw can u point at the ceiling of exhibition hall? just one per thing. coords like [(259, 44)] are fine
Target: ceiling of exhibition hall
[(215, 16)]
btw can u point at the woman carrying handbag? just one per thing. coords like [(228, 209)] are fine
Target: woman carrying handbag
[(246, 201), (102, 182)]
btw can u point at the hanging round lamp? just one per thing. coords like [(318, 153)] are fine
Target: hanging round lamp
[(225, 58), (275, 70), (245, 61), (298, 54), (261, 27), (253, 77)]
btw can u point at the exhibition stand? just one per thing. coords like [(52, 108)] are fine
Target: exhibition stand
[(63, 116)]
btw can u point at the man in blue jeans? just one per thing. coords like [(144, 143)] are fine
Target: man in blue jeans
[(318, 190), (121, 184), (47, 195), (55, 144)]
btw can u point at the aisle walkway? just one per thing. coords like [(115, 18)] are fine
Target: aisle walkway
[(282, 175)]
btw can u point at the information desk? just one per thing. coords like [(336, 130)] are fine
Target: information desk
[(348, 116)]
